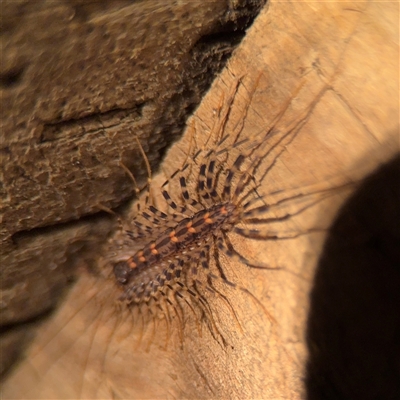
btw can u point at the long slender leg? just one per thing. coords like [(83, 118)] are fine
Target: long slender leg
[(265, 235), (225, 245), (191, 202), (149, 174), (230, 252), (179, 209), (203, 261), (251, 215)]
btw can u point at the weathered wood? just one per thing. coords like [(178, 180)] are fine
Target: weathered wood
[(79, 81), (332, 69)]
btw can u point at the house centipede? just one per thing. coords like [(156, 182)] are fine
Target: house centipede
[(166, 251)]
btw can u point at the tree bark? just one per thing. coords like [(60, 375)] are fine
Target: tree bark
[(79, 82), (328, 74)]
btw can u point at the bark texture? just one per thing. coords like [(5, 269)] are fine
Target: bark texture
[(330, 72), (79, 82)]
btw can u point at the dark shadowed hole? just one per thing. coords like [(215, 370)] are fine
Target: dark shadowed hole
[(354, 323), (12, 77)]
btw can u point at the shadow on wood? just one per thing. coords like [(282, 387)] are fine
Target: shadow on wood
[(354, 322)]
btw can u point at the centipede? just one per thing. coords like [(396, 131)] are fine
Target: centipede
[(170, 255)]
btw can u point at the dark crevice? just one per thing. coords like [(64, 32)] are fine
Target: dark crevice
[(16, 338), (214, 39), (54, 130), (12, 77), (17, 325), (242, 17), (47, 230)]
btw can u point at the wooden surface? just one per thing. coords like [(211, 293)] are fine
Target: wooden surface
[(73, 95), (331, 71)]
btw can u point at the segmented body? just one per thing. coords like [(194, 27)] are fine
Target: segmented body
[(173, 247), (194, 232), (177, 241)]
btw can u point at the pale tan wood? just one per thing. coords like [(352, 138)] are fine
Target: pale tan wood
[(331, 65)]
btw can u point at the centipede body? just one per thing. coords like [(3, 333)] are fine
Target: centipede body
[(173, 255)]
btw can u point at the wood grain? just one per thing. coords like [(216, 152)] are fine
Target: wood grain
[(330, 69)]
